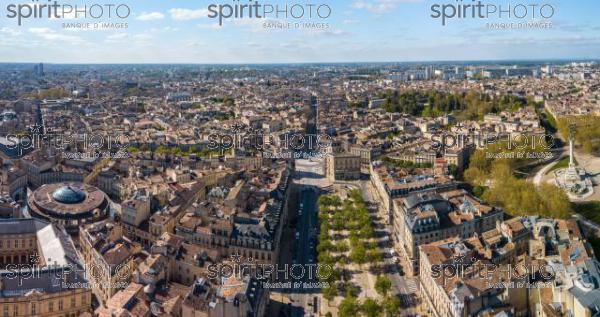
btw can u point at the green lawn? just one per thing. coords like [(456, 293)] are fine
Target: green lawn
[(561, 164), (590, 210)]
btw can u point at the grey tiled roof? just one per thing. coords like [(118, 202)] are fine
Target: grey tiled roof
[(57, 250), (20, 226)]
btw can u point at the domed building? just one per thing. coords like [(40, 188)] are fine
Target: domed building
[(68, 204)]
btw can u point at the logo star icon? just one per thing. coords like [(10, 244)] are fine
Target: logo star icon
[(237, 127), (459, 258), (36, 129), (34, 258), (236, 257)]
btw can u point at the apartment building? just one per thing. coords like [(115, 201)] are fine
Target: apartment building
[(109, 257), (424, 218)]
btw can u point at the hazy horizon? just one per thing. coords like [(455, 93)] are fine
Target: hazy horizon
[(469, 62)]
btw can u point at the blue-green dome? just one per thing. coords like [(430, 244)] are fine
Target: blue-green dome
[(68, 195)]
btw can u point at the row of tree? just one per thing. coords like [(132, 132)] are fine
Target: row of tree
[(175, 150), (404, 164), (227, 101), (351, 307), (470, 105), (351, 215), (51, 93), (586, 130)]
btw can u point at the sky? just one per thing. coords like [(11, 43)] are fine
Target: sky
[(180, 31)]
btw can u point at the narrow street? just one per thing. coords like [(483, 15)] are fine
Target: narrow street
[(309, 180), (299, 244)]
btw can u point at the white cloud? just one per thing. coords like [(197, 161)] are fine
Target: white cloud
[(187, 14), (9, 31), (143, 39), (333, 32), (327, 32), (116, 38), (213, 26), (150, 16), (164, 29), (195, 43), (130, 39), (53, 36), (380, 6)]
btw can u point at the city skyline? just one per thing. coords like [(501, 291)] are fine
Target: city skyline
[(475, 63), (180, 32)]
